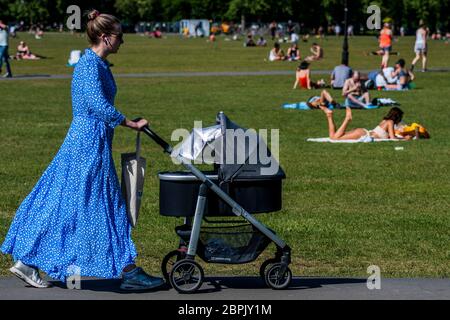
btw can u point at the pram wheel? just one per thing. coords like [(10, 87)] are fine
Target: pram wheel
[(265, 264), (277, 281), (169, 261), (186, 276)]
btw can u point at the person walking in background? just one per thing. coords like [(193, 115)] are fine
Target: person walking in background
[(290, 28), (385, 44), (75, 217), (4, 56), (350, 31), (273, 29), (420, 47), (337, 30)]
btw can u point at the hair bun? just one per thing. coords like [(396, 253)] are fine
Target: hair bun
[(93, 14)]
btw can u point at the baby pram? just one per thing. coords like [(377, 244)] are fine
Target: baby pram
[(241, 179)]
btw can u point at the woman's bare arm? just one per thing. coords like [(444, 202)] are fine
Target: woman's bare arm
[(308, 80), (390, 129)]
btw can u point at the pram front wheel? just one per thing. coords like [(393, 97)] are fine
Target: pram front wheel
[(276, 280), (169, 261), (265, 264), (186, 276)]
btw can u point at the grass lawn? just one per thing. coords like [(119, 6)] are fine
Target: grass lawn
[(345, 206)]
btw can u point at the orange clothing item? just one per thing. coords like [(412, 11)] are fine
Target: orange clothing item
[(385, 38)]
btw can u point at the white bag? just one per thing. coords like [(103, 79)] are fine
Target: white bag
[(133, 173), (75, 56)]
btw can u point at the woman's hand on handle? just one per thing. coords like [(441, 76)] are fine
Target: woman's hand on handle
[(135, 125)]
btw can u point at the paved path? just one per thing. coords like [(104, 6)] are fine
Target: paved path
[(243, 288), (186, 74)]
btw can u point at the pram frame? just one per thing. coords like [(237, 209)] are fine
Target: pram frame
[(283, 250)]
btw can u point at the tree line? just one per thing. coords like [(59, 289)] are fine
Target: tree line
[(436, 13)]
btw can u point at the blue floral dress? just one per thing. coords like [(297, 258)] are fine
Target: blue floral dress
[(75, 216)]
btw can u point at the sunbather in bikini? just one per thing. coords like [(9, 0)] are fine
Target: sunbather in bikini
[(385, 129), (325, 99)]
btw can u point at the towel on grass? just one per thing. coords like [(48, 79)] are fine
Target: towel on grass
[(364, 140), (304, 106)]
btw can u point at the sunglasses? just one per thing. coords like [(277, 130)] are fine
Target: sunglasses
[(118, 35)]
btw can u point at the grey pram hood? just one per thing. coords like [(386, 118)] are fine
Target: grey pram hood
[(240, 153)]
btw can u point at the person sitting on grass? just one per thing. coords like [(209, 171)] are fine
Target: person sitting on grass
[(317, 53), (384, 130), (250, 42), (303, 77), (277, 54), (293, 53), (355, 93), (339, 75), (404, 76), (23, 52), (385, 78), (157, 34), (324, 100), (261, 42)]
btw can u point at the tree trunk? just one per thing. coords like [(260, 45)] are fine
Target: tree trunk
[(243, 23)]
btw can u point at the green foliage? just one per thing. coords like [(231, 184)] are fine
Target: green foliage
[(436, 13), (31, 11)]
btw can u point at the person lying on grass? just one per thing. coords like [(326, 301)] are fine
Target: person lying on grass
[(325, 100), (384, 130)]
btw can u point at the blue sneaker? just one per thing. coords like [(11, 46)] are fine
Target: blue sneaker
[(137, 279)]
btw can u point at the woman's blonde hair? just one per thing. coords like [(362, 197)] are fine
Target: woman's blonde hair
[(98, 24)]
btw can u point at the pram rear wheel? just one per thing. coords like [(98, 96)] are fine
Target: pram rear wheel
[(276, 280), (169, 261), (186, 276)]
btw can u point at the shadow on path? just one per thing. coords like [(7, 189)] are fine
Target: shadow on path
[(216, 284)]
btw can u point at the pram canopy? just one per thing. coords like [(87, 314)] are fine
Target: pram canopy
[(240, 153)]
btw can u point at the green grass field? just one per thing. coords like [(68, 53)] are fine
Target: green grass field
[(345, 206)]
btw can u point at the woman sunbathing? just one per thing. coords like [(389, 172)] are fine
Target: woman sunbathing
[(317, 53), (23, 52), (303, 78), (325, 99), (384, 130)]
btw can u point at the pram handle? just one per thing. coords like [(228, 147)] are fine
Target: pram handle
[(167, 147)]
